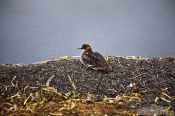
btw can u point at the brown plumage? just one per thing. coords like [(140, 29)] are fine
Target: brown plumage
[(94, 60)]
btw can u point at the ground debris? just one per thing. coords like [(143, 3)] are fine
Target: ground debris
[(64, 87)]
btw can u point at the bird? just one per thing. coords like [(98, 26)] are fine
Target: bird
[(94, 60)]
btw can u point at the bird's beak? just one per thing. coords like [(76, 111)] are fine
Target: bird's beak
[(79, 48)]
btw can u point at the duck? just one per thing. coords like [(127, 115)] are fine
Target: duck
[(94, 60)]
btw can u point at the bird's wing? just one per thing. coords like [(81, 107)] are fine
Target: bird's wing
[(88, 59), (96, 61), (99, 60)]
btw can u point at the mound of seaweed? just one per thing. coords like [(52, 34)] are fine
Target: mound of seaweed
[(134, 83)]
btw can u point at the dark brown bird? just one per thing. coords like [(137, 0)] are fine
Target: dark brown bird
[(94, 60)]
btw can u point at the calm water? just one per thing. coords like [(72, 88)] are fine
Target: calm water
[(34, 30)]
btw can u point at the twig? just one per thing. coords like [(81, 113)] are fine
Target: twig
[(139, 75), (49, 80), (5, 89), (13, 80), (16, 95), (25, 88), (122, 86), (112, 90), (72, 83), (27, 98)]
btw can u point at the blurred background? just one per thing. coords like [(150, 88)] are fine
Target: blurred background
[(35, 30)]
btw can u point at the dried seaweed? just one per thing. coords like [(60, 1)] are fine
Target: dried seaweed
[(62, 87)]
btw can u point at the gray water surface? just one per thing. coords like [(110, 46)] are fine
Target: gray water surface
[(34, 30)]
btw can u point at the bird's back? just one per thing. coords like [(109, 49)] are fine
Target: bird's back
[(95, 61)]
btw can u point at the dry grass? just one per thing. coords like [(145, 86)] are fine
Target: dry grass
[(47, 101)]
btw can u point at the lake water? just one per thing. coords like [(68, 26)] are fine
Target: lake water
[(35, 30)]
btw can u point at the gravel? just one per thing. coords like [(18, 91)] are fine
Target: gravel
[(150, 77)]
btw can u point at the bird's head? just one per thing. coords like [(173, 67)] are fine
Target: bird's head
[(86, 48)]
